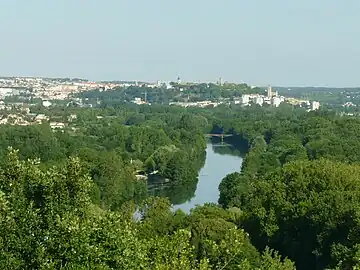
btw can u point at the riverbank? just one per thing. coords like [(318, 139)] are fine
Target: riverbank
[(221, 159)]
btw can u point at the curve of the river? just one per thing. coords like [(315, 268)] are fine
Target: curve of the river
[(221, 159)]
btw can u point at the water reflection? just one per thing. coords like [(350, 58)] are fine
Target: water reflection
[(226, 149), (221, 159), (177, 193)]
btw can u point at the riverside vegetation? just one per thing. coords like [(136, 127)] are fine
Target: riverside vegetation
[(68, 197)]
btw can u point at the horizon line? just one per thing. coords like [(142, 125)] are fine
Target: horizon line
[(195, 81)]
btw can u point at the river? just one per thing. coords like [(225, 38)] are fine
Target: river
[(221, 159)]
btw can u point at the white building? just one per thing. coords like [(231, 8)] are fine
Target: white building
[(269, 92), (46, 103), (315, 105), (72, 117), (40, 118), (5, 91), (259, 100), (245, 99), (138, 101), (267, 100), (276, 101), (57, 125), (237, 101)]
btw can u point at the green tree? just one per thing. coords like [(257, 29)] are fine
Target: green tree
[(308, 211)]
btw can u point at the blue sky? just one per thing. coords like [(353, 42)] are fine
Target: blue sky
[(278, 42)]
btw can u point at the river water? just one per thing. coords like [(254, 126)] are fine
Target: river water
[(221, 159)]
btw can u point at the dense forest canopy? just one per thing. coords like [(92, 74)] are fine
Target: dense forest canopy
[(163, 95), (68, 197)]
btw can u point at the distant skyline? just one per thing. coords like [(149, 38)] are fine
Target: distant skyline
[(259, 42)]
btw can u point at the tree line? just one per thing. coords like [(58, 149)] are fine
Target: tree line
[(299, 186), (294, 204), (163, 95), (114, 148)]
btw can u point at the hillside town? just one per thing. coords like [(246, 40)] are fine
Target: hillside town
[(49, 90), (62, 88), (272, 98)]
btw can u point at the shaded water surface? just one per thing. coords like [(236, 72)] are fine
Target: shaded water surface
[(221, 159)]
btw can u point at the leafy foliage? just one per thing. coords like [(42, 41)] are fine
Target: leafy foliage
[(48, 222)]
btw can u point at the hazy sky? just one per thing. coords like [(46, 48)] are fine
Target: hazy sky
[(279, 42)]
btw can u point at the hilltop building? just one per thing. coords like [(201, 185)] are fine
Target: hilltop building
[(245, 99), (269, 92), (315, 105), (259, 100), (276, 101)]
